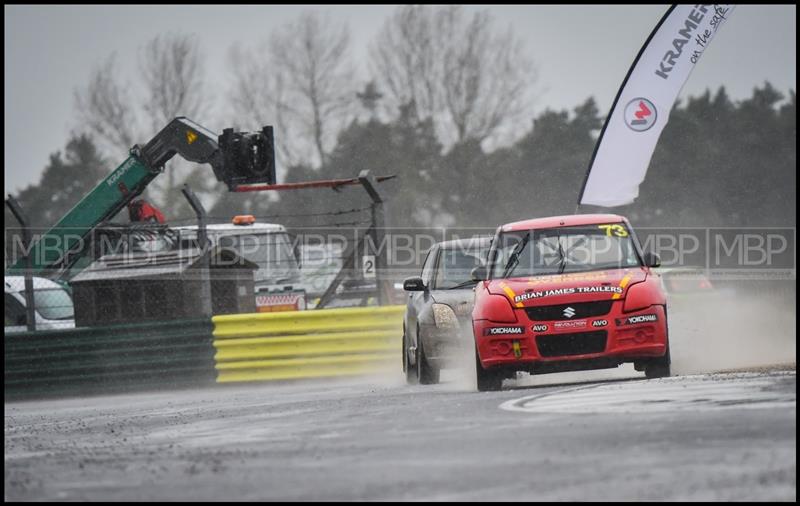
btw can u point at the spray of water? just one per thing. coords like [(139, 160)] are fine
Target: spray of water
[(730, 329)]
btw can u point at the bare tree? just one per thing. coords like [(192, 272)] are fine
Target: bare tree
[(406, 59), (172, 74), (258, 97), (471, 79), (172, 71), (105, 109), (171, 77), (304, 85)]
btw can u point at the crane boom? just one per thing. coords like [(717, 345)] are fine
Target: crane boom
[(236, 158)]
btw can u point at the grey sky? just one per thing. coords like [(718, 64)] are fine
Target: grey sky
[(580, 51)]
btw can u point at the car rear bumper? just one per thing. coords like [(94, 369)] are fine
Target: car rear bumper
[(605, 341)]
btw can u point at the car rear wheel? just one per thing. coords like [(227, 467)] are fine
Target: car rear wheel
[(426, 373), (487, 380)]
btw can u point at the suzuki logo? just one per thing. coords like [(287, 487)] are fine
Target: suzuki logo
[(569, 312)]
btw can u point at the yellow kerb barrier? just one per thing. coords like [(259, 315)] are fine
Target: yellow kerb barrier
[(307, 344)]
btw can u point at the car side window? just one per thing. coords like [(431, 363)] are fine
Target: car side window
[(15, 312), (427, 266)]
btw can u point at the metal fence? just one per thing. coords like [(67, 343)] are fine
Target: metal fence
[(109, 359)]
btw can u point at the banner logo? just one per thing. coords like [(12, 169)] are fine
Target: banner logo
[(640, 114)]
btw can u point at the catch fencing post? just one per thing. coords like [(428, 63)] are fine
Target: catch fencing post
[(205, 250), (30, 312), (370, 184)]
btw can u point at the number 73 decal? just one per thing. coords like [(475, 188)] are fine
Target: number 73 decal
[(618, 230)]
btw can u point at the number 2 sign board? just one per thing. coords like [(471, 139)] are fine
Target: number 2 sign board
[(368, 266)]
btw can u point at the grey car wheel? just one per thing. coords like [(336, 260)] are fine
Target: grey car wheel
[(411, 371), (426, 373)]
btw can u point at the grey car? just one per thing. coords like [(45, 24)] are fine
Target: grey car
[(438, 318)]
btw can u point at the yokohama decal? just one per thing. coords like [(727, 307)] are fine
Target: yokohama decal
[(494, 331), (632, 320)]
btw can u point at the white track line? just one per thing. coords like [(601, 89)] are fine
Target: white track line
[(668, 394)]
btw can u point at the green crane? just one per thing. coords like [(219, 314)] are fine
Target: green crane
[(237, 158)]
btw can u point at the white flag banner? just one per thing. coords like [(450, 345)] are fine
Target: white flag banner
[(644, 101)]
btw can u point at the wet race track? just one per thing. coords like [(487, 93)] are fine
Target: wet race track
[(603, 435)]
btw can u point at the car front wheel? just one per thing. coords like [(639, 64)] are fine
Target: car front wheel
[(662, 366), (411, 371), (487, 380), (426, 373)]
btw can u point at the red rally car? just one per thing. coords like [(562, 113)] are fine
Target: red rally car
[(568, 293)]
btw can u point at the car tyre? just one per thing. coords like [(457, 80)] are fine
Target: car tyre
[(487, 380), (426, 373), (411, 371), (660, 367)]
